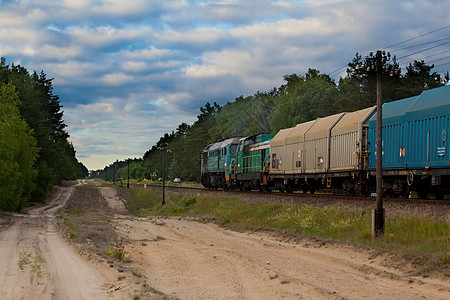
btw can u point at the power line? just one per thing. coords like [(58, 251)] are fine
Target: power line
[(411, 39), (424, 57), (442, 52), (438, 59), (442, 65), (337, 71), (424, 50), (395, 50)]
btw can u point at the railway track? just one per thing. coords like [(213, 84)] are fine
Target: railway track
[(306, 198)]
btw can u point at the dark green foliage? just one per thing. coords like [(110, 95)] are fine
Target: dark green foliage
[(84, 172), (41, 110), (303, 98), (119, 169), (244, 116), (419, 77), (357, 91), (44, 180), (18, 153), (175, 169)]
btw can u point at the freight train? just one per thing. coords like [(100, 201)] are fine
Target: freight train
[(339, 152)]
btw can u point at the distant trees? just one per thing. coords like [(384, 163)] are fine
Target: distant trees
[(244, 116), (302, 98), (30, 100), (357, 91), (419, 77)]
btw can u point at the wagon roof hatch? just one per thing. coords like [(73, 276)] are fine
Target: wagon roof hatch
[(322, 126), (351, 122), (279, 138), (298, 132)]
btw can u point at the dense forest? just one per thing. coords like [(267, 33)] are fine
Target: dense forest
[(34, 149), (302, 98)]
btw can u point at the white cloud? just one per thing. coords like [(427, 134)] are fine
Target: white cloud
[(221, 63), (117, 79), (134, 66), (104, 36), (176, 4), (149, 54), (17, 36), (285, 4), (195, 37), (120, 7), (21, 18), (78, 4), (74, 72)]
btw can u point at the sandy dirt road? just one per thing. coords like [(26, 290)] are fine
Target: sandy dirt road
[(37, 263), (179, 258), (191, 260)]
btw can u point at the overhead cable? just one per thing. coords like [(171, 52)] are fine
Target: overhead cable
[(418, 36), (424, 57), (395, 50), (423, 50)]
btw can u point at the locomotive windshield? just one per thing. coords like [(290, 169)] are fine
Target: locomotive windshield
[(233, 149)]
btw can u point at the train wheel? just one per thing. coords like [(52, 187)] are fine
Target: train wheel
[(288, 189), (387, 194), (312, 191), (438, 193), (405, 193), (304, 189), (422, 190), (364, 190)]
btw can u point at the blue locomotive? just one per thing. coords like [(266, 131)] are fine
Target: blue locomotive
[(218, 160)]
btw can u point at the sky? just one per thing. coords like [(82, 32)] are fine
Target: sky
[(129, 71)]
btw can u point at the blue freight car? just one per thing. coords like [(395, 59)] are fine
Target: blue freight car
[(415, 144), (394, 120)]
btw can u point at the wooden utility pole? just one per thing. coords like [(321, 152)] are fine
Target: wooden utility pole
[(163, 147), (378, 213), (128, 181), (375, 65), (164, 175)]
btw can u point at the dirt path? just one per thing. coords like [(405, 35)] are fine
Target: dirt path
[(191, 260), (36, 262)]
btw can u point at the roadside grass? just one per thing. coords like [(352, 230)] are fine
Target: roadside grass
[(87, 221), (96, 182), (417, 236), (170, 183)]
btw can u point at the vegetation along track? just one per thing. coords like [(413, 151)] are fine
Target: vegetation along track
[(315, 199)]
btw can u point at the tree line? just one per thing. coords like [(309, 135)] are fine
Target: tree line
[(300, 99), (34, 149)]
